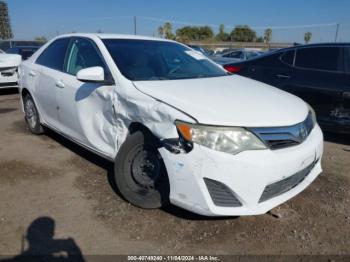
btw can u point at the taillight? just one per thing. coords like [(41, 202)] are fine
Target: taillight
[(232, 68)]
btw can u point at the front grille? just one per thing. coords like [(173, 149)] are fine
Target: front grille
[(278, 144), (283, 137), (7, 74), (282, 186), (221, 194)]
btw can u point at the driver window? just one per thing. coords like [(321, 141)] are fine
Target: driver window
[(82, 54)]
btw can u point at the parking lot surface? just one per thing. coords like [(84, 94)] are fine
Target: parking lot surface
[(47, 181)]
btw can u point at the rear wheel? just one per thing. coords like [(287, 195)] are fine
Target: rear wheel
[(140, 172), (32, 115)]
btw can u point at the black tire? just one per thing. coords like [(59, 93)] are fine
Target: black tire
[(140, 173), (32, 115)]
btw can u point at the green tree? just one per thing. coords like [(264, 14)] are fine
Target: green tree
[(161, 31), (185, 34), (260, 39), (40, 39), (222, 35), (243, 34), (5, 26), (168, 31), (268, 36), (205, 32), (194, 33), (307, 37)]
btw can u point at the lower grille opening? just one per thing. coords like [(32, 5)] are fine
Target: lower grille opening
[(282, 186), (221, 194)]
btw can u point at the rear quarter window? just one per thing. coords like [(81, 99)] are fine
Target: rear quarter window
[(318, 58), (53, 56)]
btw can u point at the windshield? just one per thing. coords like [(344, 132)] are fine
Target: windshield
[(140, 60)]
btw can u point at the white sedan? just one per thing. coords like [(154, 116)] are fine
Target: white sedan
[(9, 69), (178, 127)]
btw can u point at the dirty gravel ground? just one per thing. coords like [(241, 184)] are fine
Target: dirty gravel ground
[(47, 176)]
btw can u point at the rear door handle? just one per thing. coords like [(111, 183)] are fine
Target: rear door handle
[(32, 73), (283, 76), (59, 84)]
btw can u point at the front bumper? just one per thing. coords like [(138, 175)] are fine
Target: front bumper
[(8, 78), (246, 174)]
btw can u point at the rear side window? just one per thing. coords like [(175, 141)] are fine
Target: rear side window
[(319, 58), (288, 57), (53, 56)]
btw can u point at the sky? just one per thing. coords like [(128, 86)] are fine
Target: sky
[(288, 19)]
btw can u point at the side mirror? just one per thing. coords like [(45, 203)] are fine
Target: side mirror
[(91, 74)]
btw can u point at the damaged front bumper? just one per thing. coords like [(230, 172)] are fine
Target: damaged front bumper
[(214, 183), (8, 77)]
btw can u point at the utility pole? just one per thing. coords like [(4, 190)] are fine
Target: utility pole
[(135, 26), (336, 33)]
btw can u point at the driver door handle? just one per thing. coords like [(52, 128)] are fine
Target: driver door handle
[(59, 84), (32, 73), (283, 76)]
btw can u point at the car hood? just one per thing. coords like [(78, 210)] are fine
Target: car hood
[(228, 101), (10, 60)]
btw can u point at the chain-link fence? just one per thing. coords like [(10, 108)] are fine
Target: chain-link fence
[(4, 45)]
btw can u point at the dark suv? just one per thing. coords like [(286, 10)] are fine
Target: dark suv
[(317, 73)]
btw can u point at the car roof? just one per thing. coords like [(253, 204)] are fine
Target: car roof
[(115, 36), (314, 45), (327, 44), (282, 50)]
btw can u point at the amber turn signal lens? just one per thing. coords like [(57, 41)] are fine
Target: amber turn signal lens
[(185, 130)]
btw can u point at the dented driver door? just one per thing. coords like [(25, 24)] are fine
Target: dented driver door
[(85, 108)]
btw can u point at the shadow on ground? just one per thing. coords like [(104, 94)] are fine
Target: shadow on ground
[(41, 245)]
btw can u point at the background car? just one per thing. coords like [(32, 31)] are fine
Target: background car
[(242, 54), (24, 51), (317, 73), (235, 56), (8, 70)]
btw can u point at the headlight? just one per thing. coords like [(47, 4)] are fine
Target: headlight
[(230, 140)]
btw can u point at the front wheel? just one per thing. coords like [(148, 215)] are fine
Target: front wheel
[(140, 173), (32, 115)]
